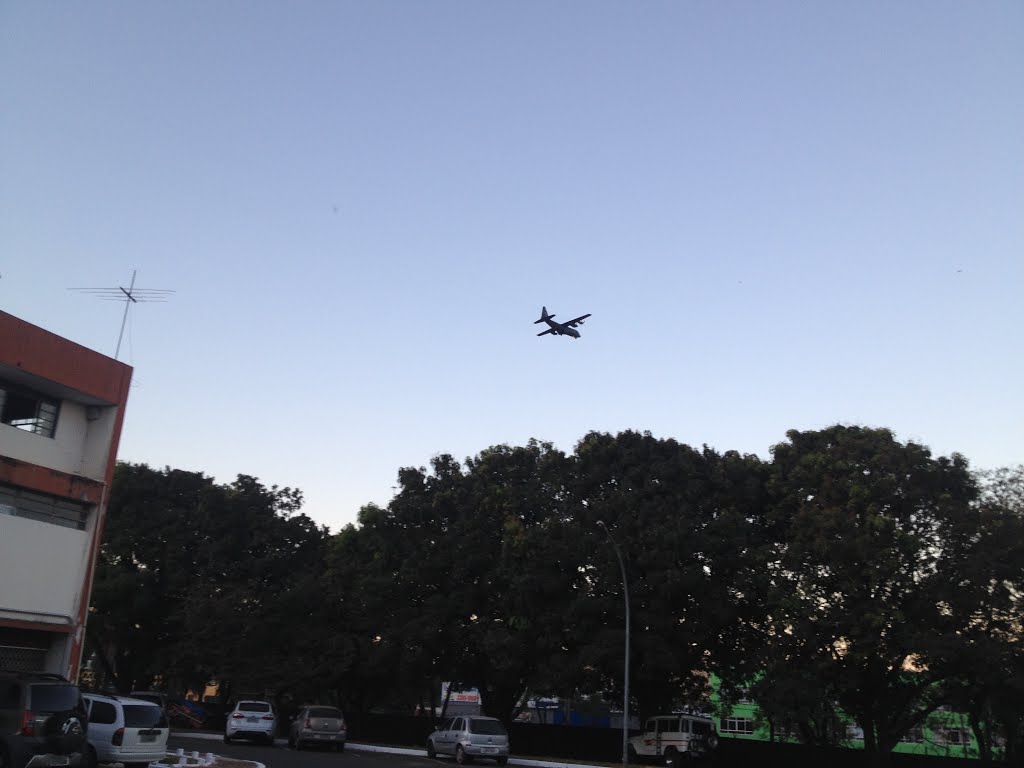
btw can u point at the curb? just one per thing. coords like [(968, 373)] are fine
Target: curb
[(394, 751)]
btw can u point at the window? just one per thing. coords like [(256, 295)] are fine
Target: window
[(27, 410), (955, 736), (739, 694), (487, 727), (253, 706), (17, 502), (668, 726), (103, 713), (325, 712), (144, 716), (701, 728), (913, 736), (737, 725)]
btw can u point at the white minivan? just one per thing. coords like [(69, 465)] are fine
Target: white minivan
[(125, 730)]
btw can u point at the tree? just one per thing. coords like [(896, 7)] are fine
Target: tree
[(682, 518), (981, 648), (189, 568), (858, 588)]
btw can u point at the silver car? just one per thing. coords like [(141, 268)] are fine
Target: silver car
[(469, 737), (318, 725)]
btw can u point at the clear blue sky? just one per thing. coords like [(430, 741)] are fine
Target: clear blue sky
[(780, 214)]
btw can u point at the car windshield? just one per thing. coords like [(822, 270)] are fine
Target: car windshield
[(487, 727), (153, 697), (700, 727), (325, 712), (253, 706), (144, 716), (54, 698)]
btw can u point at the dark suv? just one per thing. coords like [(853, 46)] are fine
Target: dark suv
[(43, 721)]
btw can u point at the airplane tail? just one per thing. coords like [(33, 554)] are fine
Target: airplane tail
[(544, 316)]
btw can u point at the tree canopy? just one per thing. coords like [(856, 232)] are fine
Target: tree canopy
[(851, 573)]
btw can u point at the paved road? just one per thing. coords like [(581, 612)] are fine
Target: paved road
[(354, 756), (280, 756)]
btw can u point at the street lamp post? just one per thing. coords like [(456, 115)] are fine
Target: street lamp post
[(625, 686)]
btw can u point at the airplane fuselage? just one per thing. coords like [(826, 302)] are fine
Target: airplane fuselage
[(563, 330)]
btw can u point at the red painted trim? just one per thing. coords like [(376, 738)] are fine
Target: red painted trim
[(57, 359), (52, 482), (66, 629)]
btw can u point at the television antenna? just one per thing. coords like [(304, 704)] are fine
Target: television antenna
[(130, 295)]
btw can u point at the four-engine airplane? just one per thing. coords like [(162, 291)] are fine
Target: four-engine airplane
[(560, 329)]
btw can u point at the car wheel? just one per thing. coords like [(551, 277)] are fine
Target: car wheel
[(227, 739), (431, 752), (341, 746), (461, 757), (298, 745), (5, 760), (90, 757), (502, 761), (671, 757)]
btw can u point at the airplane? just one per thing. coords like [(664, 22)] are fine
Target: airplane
[(560, 329)]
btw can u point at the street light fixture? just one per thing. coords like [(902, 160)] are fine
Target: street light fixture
[(625, 686)]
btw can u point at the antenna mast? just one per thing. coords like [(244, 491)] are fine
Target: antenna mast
[(130, 295)]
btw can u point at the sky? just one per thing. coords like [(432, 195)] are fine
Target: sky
[(780, 215)]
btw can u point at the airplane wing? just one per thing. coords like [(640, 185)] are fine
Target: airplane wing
[(549, 330), (578, 321)]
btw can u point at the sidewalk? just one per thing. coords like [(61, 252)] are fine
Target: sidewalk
[(393, 750)]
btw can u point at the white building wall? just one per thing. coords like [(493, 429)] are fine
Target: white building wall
[(42, 568), (79, 446), (95, 446)]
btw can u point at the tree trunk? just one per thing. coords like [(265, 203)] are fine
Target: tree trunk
[(981, 737), (877, 752), (447, 698)]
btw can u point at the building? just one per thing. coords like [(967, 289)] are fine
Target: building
[(61, 411), (944, 733)]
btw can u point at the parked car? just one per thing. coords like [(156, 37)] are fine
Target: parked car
[(251, 720), (470, 737), (43, 721), (125, 730), (318, 725), (675, 737)]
